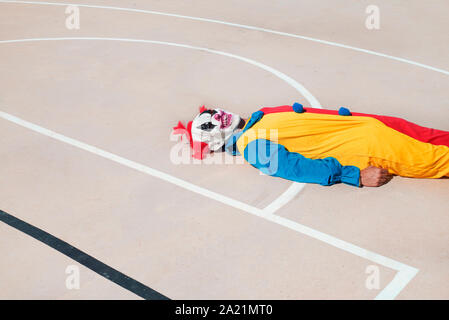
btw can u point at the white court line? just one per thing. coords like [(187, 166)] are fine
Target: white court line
[(286, 34), (295, 187), (404, 275), (400, 280)]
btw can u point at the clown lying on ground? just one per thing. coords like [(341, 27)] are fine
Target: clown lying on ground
[(322, 146)]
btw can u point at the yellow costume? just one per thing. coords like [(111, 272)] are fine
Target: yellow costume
[(358, 141)]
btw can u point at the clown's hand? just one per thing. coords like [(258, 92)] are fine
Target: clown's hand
[(374, 177)]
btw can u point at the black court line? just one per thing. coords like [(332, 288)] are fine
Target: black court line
[(83, 258)]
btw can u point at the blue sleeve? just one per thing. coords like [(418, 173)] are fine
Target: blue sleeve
[(274, 160)]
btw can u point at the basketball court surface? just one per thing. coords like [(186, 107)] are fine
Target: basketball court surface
[(90, 194)]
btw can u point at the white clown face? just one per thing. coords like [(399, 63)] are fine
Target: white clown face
[(214, 127)]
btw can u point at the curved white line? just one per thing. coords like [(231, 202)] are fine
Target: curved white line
[(284, 198), (331, 43), (295, 187)]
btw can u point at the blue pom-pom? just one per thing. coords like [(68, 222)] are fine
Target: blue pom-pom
[(297, 107), (344, 112)]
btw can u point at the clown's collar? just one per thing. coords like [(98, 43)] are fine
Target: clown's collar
[(231, 144)]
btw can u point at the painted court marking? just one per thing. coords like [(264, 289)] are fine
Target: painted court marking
[(405, 273), (285, 34), (82, 258)]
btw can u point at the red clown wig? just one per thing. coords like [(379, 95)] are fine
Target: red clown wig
[(199, 148)]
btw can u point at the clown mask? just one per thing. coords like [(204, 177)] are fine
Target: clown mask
[(215, 127)]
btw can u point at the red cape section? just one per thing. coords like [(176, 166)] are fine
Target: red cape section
[(429, 135)]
